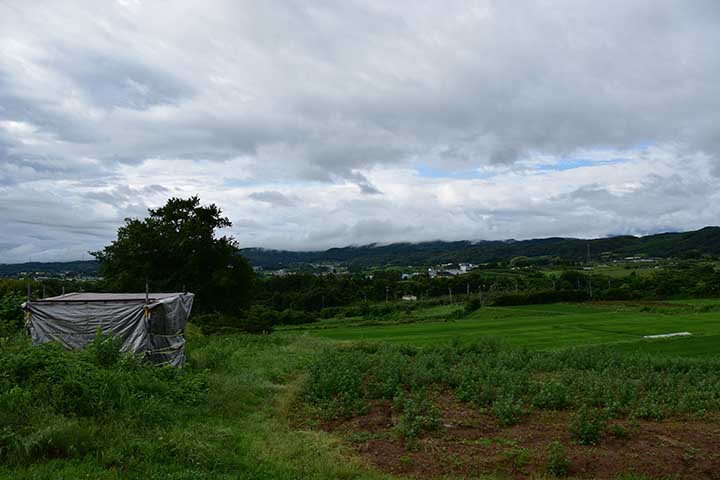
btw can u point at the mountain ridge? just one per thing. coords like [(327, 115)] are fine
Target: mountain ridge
[(667, 244), (662, 245)]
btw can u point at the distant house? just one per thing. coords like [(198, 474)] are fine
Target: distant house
[(409, 298)]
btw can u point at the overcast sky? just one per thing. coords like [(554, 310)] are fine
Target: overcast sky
[(320, 124)]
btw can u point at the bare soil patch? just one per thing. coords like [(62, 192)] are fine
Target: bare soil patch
[(471, 442)]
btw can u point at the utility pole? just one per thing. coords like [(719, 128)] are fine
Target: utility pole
[(387, 293), (43, 293), (590, 287), (468, 289), (450, 291)]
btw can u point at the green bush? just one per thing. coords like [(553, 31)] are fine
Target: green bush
[(649, 409), (418, 415), (256, 320), (335, 383), (558, 464), (105, 349), (544, 296), (619, 432), (52, 399), (295, 317), (509, 411), (587, 425), (552, 395), (472, 304), (11, 314)]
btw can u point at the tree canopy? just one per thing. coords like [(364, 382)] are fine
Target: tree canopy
[(176, 248)]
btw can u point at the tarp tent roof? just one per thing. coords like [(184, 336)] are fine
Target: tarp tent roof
[(108, 297), (152, 324)]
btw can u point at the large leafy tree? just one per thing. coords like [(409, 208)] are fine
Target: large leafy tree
[(176, 248)]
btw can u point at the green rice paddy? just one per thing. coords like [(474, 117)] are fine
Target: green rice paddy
[(619, 325)]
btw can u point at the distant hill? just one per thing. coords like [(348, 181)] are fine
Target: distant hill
[(681, 244), (88, 268), (663, 245)]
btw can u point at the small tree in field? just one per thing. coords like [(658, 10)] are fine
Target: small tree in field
[(175, 247)]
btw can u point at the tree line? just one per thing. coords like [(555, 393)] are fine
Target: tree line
[(177, 248)]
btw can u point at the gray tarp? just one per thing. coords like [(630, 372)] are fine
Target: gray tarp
[(154, 327)]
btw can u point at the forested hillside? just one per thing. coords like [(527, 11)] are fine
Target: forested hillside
[(705, 241), (77, 268), (684, 244)]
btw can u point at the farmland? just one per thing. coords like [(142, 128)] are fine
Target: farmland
[(619, 325), (500, 392), (559, 389)]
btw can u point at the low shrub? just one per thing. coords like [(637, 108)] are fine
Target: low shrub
[(552, 395), (587, 425), (648, 409), (256, 320), (418, 415), (558, 463), (345, 380), (295, 317), (105, 349), (509, 411), (11, 314), (472, 304), (52, 400), (543, 296), (619, 432)]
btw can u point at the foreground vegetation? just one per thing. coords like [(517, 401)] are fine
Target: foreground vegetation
[(294, 405), (97, 414), (361, 385), (487, 407), (512, 381)]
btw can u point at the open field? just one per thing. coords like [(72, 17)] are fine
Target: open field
[(481, 407), (428, 396), (621, 325), (129, 425), (613, 271)]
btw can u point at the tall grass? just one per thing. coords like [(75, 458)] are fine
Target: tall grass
[(81, 415)]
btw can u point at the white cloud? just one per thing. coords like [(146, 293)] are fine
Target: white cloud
[(308, 123)]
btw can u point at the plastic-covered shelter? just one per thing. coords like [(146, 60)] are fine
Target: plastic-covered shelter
[(149, 324)]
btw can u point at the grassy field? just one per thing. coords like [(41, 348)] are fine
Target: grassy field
[(613, 271), (257, 407), (621, 325), (237, 429)]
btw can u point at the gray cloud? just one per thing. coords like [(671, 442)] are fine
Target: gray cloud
[(272, 198), (101, 101)]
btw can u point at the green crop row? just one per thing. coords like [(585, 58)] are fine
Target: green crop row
[(511, 381)]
